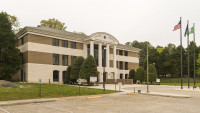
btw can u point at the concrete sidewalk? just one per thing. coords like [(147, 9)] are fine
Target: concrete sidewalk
[(17, 102), (165, 94)]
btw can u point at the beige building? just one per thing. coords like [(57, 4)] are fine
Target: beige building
[(48, 52)]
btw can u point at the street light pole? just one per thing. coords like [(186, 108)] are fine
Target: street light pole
[(147, 71)]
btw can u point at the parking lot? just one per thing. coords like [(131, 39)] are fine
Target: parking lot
[(116, 103)]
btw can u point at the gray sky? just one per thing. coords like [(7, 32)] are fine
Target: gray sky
[(126, 20)]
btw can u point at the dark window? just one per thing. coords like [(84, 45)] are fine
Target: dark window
[(55, 42), (103, 57), (126, 65), (64, 60), (73, 45), (120, 52), (116, 51), (22, 58), (73, 58), (96, 54), (55, 76), (64, 43), (125, 53), (88, 50), (22, 40), (117, 64), (22, 76), (126, 76), (55, 59), (120, 65), (64, 75), (121, 76)]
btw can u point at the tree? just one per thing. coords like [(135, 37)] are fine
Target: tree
[(76, 68), (67, 74), (140, 73), (53, 23), (198, 65), (79, 33), (152, 73), (132, 75), (89, 68), (10, 59)]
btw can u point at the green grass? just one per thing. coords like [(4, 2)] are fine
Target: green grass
[(47, 91), (178, 80), (179, 84)]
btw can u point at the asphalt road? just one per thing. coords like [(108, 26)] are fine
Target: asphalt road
[(116, 103)]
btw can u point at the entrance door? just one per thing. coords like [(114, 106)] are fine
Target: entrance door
[(21, 75)]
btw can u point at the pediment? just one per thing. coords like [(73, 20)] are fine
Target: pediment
[(103, 37)]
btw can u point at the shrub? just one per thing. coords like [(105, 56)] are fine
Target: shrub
[(67, 74), (132, 75), (140, 73)]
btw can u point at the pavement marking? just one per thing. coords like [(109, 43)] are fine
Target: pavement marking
[(4, 110), (55, 108), (93, 97)]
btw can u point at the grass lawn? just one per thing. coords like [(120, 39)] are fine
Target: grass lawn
[(47, 91), (179, 84)]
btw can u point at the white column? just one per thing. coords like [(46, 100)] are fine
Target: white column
[(107, 56), (114, 56), (60, 79), (85, 50), (92, 48), (100, 54)]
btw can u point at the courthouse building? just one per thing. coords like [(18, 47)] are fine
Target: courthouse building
[(48, 52)]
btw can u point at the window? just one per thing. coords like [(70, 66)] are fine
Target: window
[(121, 76), (126, 76), (73, 58), (55, 76), (55, 42), (116, 51), (22, 41), (126, 65), (73, 45), (64, 75), (120, 65), (103, 57), (64, 60), (22, 58), (116, 64), (64, 43), (125, 53), (120, 52), (55, 59), (96, 54)]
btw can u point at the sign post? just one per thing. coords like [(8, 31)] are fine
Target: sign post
[(79, 82), (115, 83), (158, 80), (120, 84), (40, 80)]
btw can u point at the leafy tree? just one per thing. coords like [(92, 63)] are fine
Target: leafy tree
[(79, 33), (132, 75), (67, 74), (53, 23), (10, 59), (140, 74), (198, 65), (76, 68), (13, 19), (89, 68), (152, 73)]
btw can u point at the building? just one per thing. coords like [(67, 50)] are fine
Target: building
[(47, 52)]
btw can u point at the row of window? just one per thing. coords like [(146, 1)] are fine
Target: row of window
[(64, 43), (64, 59), (121, 53), (121, 65)]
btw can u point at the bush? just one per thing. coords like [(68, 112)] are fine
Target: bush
[(140, 74), (76, 68), (67, 74), (132, 75), (152, 70), (89, 68)]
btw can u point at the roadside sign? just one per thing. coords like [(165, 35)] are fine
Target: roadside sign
[(79, 81), (120, 83), (40, 80), (93, 79), (157, 80)]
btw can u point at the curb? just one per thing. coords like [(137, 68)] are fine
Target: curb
[(167, 95), (132, 93), (93, 97), (18, 102)]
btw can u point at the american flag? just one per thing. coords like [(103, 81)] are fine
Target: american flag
[(178, 26)]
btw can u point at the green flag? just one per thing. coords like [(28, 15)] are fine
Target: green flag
[(191, 30)]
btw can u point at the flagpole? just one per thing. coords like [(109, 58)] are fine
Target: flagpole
[(194, 56), (188, 56), (181, 54)]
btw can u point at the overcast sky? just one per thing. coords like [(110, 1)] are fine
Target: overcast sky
[(126, 20)]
